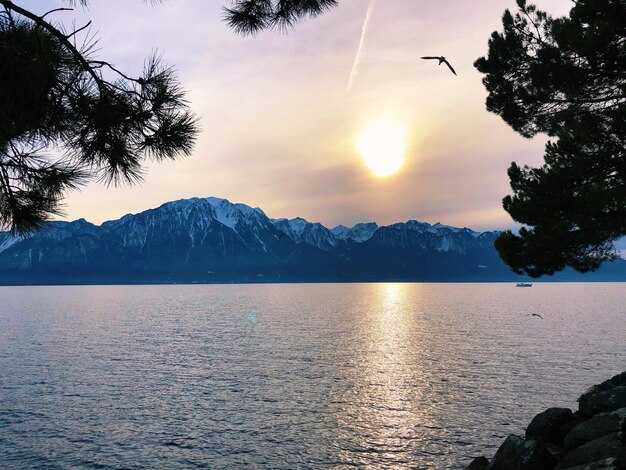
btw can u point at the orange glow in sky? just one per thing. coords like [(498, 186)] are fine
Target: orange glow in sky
[(279, 128)]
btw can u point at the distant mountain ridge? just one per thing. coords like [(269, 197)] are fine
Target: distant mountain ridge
[(214, 240)]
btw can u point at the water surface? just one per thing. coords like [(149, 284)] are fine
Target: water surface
[(292, 376)]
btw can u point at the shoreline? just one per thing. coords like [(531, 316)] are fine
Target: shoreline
[(591, 438), (244, 283)]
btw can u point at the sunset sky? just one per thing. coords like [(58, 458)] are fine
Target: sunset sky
[(279, 127)]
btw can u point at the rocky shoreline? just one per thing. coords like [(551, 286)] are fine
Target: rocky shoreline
[(592, 438)]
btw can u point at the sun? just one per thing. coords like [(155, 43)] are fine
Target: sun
[(382, 145)]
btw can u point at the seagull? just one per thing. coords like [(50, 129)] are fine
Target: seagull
[(442, 60), (534, 315)]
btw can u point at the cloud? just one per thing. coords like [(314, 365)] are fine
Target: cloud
[(278, 127)]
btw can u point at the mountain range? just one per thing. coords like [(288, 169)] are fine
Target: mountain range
[(210, 240)]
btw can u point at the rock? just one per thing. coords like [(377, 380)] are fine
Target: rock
[(545, 426), (593, 438), (516, 453), (567, 427), (479, 463), (597, 402), (610, 446), (604, 464), (554, 452), (595, 427), (618, 381)]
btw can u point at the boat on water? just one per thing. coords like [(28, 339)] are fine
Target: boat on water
[(523, 284)]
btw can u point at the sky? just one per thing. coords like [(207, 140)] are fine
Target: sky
[(279, 127)]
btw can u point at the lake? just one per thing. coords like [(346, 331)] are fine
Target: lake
[(293, 375)]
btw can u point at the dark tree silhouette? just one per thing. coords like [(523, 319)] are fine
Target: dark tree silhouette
[(565, 77), (252, 16), (99, 121), (54, 94)]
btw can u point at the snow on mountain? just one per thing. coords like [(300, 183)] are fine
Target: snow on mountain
[(362, 232), (359, 233), (439, 226), (59, 230), (300, 230), (7, 240), (437, 237), (293, 228), (232, 214), (222, 225), (214, 240), (340, 231), (192, 219)]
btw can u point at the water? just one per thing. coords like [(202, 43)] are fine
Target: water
[(292, 376)]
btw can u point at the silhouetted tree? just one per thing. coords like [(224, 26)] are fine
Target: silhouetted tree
[(100, 121), (55, 94), (565, 77), (252, 16)]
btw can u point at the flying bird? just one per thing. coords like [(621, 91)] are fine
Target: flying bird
[(534, 315), (442, 60)]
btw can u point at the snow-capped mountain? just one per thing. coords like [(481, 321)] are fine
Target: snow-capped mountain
[(7, 240), (301, 231), (193, 222), (214, 240), (358, 233), (438, 237), (362, 232), (340, 231)]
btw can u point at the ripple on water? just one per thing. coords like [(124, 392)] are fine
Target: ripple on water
[(353, 375)]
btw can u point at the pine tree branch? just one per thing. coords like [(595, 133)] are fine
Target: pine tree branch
[(76, 31), (102, 63), (55, 10), (63, 39)]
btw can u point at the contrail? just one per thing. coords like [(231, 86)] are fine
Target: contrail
[(357, 59)]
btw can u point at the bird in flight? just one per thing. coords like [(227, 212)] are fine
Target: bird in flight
[(534, 315), (442, 60)]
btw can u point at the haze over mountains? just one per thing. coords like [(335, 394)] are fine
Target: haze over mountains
[(214, 240)]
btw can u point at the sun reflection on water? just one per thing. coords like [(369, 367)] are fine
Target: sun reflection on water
[(388, 384), (293, 376)]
